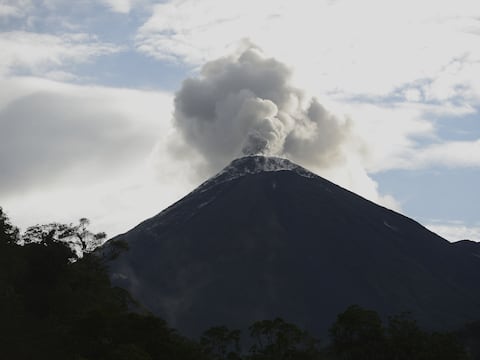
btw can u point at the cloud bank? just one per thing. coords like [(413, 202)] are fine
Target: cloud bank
[(416, 46), (245, 104), (38, 53), (70, 151), (52, 132)]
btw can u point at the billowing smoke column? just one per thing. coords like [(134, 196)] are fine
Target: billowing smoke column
[(245, 104)]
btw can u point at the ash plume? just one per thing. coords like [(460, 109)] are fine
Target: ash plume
[(245, 104)]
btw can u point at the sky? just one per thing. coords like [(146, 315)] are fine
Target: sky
[(114, 109)]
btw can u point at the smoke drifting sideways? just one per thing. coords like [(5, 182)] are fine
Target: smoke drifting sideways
[(245, 104)]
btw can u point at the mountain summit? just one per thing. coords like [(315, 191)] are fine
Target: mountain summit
[(255, 164), (266, 238)]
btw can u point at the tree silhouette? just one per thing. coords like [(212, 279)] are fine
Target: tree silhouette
[(220, 343), (279, 340), (9, 234), (52, 308), (406, 340), (358, 334), (77, 237)]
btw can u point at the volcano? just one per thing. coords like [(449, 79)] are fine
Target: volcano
[(267, 238)]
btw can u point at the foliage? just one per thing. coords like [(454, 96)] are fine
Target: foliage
[(8, 233), (77, 237), (53, 308), (470, 336), (220, 343), (279, 340), (359, 334)]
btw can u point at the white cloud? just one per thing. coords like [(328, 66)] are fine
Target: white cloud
[(368, 47), (458, 80), (9, 11), (37, 53), (62, 133), (403, 136), (387, 132), (455, 231), (120, 6), (71, 151), (449, 153), (14, 8), (412, 94), (59, 75), (445, 154)]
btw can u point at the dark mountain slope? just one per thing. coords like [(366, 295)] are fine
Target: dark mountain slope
[(266, 238)]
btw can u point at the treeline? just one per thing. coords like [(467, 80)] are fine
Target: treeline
[(56, 302)]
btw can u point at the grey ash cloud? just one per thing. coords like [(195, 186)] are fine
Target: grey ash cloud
[(245, 104)]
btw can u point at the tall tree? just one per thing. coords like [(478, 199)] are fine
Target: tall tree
[(279, 340), (9, 234), (76, 236), (358, 334), (220, 343)]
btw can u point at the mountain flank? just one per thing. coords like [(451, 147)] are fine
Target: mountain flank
[(267, 238)]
